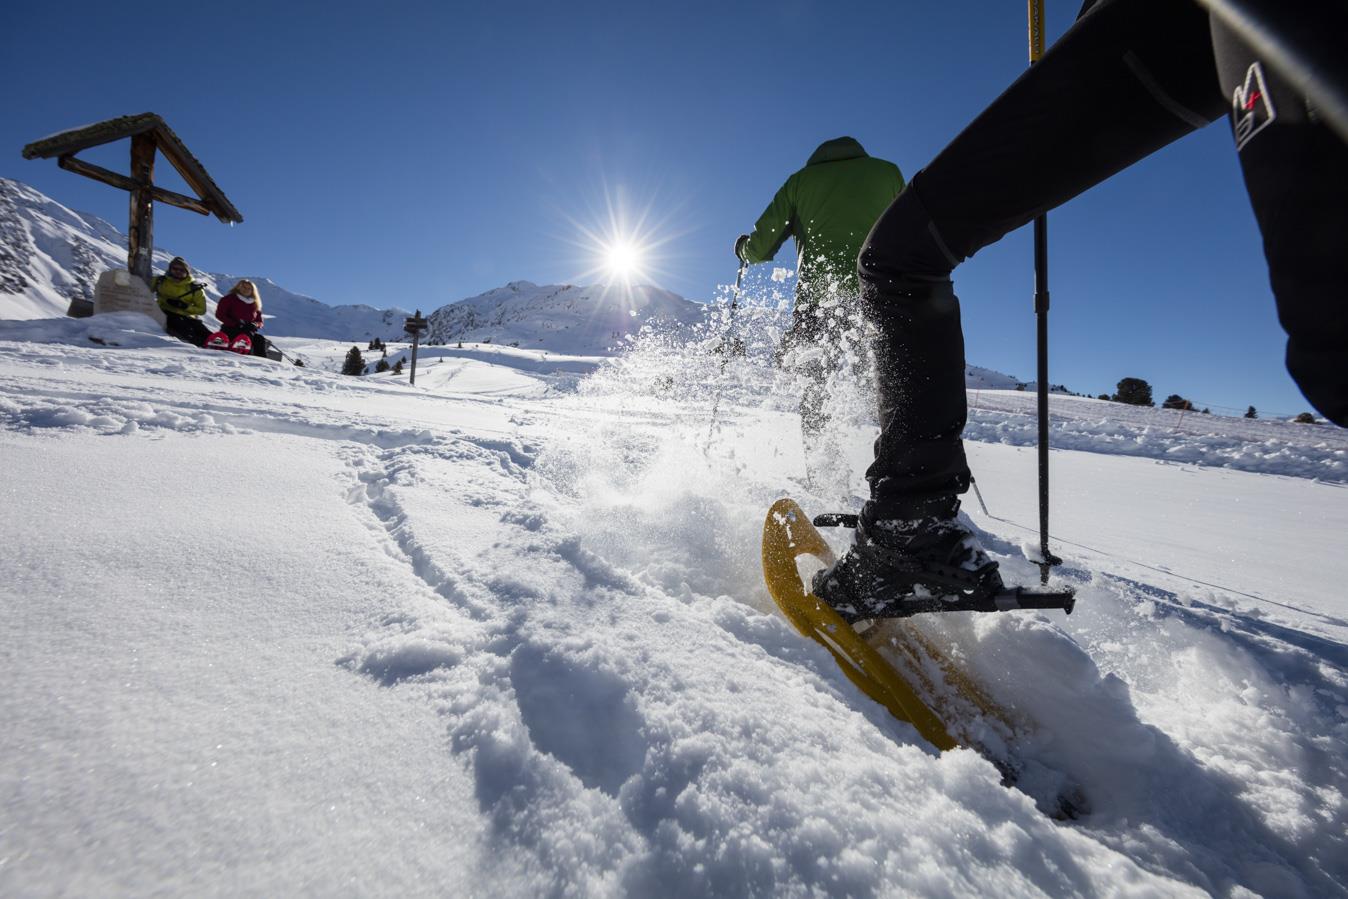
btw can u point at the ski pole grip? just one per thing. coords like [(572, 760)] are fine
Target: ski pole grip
[(1025, 599)]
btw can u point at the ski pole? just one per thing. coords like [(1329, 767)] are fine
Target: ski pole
[(979, 493), (1041, 302), (725, 353)]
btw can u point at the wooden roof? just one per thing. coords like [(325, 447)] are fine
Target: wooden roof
[(67, 143)]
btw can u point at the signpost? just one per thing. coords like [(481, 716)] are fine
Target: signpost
[(416, 326)]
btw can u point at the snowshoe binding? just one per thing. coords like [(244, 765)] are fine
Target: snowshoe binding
[(902, 567)]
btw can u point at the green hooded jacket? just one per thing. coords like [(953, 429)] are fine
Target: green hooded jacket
[(828, 207)]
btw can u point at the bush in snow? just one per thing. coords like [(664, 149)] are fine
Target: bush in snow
[(381, 365), (398, 369), (1250, 413), (1305, 418), (1134, 392), (354, 364)]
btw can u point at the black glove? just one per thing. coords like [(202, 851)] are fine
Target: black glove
[(739, 247)]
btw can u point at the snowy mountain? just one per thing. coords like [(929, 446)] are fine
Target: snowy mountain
[(269, 630), (563, 317), (50, 254)]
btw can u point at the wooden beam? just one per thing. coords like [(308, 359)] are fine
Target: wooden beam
[(140, 241), (195, 174), (75, 139), (98, 173), (149, 126)]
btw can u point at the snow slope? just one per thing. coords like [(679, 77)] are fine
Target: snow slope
[(272, 631)]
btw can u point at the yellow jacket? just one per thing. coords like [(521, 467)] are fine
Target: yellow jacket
[(180, 297)]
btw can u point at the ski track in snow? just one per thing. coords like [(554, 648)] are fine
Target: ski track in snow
[(569, 584)]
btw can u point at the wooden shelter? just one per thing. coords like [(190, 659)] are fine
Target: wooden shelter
[(148, 133)]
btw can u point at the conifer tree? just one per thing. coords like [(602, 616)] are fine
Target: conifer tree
[(1134, 392), (355, 363)]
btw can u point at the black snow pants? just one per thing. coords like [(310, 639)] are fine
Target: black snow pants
[(186, 328), (1128, 78)]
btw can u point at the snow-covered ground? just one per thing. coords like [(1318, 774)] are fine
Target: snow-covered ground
[(268, 630)]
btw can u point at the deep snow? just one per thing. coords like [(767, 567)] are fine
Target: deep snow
[(269, 630)]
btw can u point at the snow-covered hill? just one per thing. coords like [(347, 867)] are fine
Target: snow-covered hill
[(50, 254), (269, 630), (563, 317)]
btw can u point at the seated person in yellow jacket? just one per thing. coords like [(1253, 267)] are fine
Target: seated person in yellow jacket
[(183, 302)]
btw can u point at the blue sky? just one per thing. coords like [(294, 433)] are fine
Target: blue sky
[(413, 154)]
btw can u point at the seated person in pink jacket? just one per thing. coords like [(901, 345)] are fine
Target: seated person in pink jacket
[(240, 312)]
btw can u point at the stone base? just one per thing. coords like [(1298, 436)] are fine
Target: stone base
[(120, 291)]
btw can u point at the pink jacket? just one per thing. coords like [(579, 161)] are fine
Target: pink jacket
[(235, 314)]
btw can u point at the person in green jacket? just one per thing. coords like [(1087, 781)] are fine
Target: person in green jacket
[(183, 302), (829, 207)]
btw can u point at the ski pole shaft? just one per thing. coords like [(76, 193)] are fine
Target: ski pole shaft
[(725, 352), (979, 493), (1041, 304)]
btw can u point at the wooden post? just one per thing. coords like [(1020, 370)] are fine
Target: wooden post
[(140, 246)]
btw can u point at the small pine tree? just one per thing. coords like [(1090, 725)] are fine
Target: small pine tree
[(1134, 392), (1305, 418), (1175, 401), (355, 363), (1250, 413), (1103, 396), (381, 365), (398, 368)]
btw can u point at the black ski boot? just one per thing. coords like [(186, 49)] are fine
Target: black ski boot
[(899, 567)]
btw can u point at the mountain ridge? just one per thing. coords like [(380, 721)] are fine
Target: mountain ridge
[(51, 254)]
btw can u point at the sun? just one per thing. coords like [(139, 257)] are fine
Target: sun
[(620, 245), (622, 259)]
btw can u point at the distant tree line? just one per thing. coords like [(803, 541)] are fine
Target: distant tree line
[(355, 362), (1137, 392)]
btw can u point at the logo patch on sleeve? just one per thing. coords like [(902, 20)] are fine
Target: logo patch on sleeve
[(1251, 107)]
